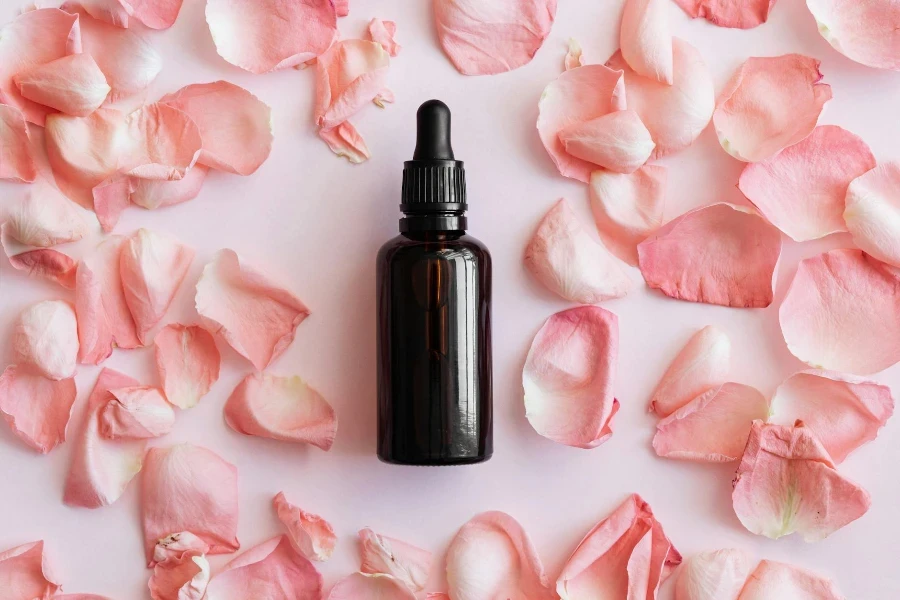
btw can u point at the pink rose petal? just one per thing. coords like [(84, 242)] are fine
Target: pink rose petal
[(349, 75), (154, 193), (769, 104), (718, 254), (801, 189), (873, 212), (16, 161), (25, 575), (73, 84), (571, 263), (181, 571), (188, 488), (485, 38), (79, 597), (136, 413), (745, 14), (702, 364), (404, 562), (865, 32), (165, 143), (843, 411), (646, 39), (360, 586), (577, 96), (437, 596), (101, 469), (265, 35), (111, 198), (786, 483), (46, 336), (345, 141), (39, 262), (627, 555), (342, 7), (383, 32), (177, 545), (46, 218), (674, 114), (568, 377), (574, 55), (716, 575), (310, 535), (617, 141), (842, 312), (492, 557), (155, 14), (36, 408), (188, 362), (256, 317), (110, 11), (281, 408), (773, 580), (272, 570)]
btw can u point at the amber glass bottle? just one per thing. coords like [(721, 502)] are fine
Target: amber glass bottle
[(434, 321)]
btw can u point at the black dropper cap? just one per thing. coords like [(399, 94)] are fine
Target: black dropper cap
[(434, 182)]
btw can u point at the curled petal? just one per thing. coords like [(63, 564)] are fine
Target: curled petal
[(257, 318), (646, 39), (46, 336), (155, 193), (25, 575), (136, 413), (574, 56), (617, 141), (177, 545), (36, 408), (773, 579), (110, 11), (310, 535), (701, 365), (568, 377), (786, 483), (360, 586), (46, 218), (745, 14), (801, 190), (865, 32), (163, 143), (769, 104), (716, 575), (187, 361), (265, 35), (16, 160), (842, 312), (73, 84), (492, 557), (404, 562), (188, 488), (843, 411), (349, 75), (873, 212), (345, 141), (40, 262), (719, 254), (111, 198), (383, 32), (281, 408), (155, 14), (184, 579)]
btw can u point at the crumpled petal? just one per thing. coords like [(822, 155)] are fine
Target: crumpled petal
[(715, 575), (152, 268), (491, 557), (769, 104), (383, 32), (865, 32), (572, 264), (617, 141), (772, 580), (155, 14), (574, 55), (345, 141), (187, 361), (46, 336), (265, 35), (155, 193), (801, 190), (844, 412), (627, 555), (25, 575), (744, 14), (873, 212), (360, 586), (178, 544), (577, 96), (389, 556), (73, 84), (235, 125), (271, 570), (787, 483), (702, 364), (181, 571), (310, 535), (569, 374), (719, 254), (674, 114), (16, 160), (36, 408), (842, 312), (101, 469), (45, 218), (135, 413), (713, 427), (349, 75), (256, 317), (485, 38), (646, 40), (39, 262), (281, 408), (189, 488)]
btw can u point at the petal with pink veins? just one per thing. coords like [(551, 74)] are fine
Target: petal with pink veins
[(646, 40), (187, 361), (702, 364), (36, 408), (362, 586), (345, 141), (45, 335), (872, 212), (16, 160), (384, 32), (111, 197), (310, 535), (46, 218), (38, 262), (25, 574), (772, 580), (404, 562), (574, 55), (569, 374), (745, 14), (719, 254), (865, 32), (181, 571), (155, 193), (715, 575), (617, 141), (155, 14), (349, 75), (801, 190), (74, 84), (136, 413)]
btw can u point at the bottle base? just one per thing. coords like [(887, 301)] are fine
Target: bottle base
[(435, 462)]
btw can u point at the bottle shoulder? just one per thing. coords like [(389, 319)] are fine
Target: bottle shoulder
[(406, 246)]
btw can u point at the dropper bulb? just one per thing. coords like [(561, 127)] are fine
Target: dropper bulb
[(433, 132)]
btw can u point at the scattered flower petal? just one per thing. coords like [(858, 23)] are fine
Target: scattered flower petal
[(716, 575), (36, 408), (187, 361), (574, 56), (177, 544), (865, 32), (646, 40), (437, 596), (778, 580), (25, 575), (617, 141), (360, 586), (873, 212), (73, 84), (164, 143), (406, 563), (155, 14), (46, 336), (745, 14), (40, 262), (384, 32), (310, 535), (342, 7), (155, 193), (46, 218), (181, 571), (16, 161), (110, 11), (111, 198), (345, 141), (349, 75), (136, 413)]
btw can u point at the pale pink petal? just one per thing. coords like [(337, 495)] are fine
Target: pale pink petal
[(104, 321), (769, 104), (361, 586), (265, 35), (39, 262), (437, 596), (389, 556), (715, 575), (111, 198), (349, 75), (492, 557), (46, 218), (187, 361), (235, 125), (744, 14), (36, 408), (713, 427), (384, 32), (74, 84), (163, 143), (342, 7), (79, 597), (862, 31), (155, 14), (345, 141), (256, 317), (674, 114), (842, 312), (181, 571), (136, 413), (16, 161), (189, 488), (177, 545), (577, 96), (273, 570), (569, 374), (574, 55), (843, 411), (646, 40), (702, 364), (627, 555), (155, 193), (801, 189), (101, 469), (484, 38), (787, 483), (281, 408), (773, 580), (873, 212), (310, 535), (718, 254), (110, 11), (617, 141), (46, 336), (25, 575)]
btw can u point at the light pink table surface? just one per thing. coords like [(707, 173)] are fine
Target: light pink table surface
[(316, 223)]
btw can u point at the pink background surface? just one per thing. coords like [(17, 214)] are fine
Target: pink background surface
[(315, 222)]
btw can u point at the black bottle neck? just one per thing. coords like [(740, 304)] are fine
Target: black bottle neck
[(451, 220)]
